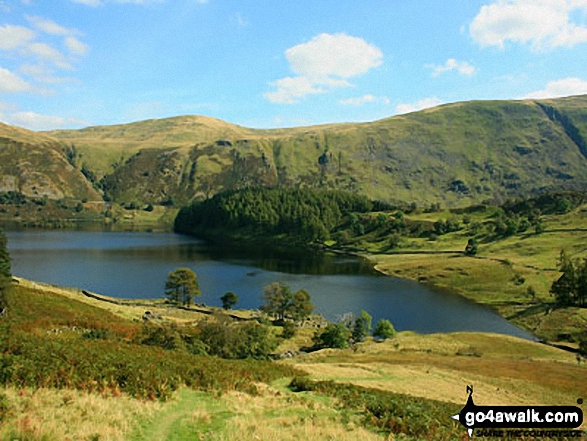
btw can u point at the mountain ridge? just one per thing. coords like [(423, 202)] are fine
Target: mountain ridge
[(455, 154)]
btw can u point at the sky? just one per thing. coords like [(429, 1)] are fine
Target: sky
[(268, 63)]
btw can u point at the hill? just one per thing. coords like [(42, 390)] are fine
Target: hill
[(455, 155), (37, 166)]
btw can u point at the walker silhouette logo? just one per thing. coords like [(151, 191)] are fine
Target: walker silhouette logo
[(518, 417)]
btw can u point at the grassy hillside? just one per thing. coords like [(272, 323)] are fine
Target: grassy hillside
[(511, 272), (456, 154), (406, 387), (36, 166)]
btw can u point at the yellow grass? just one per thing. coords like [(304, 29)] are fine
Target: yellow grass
[(278, 415), (504, 370), (70, 415)]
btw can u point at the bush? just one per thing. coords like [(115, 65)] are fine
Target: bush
[(405, 416), (228, 339), (384, 329), (333, 336), (229, 300), (289, 330)]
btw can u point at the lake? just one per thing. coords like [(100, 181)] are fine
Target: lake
[(135, 265)]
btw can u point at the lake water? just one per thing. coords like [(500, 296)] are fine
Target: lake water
[(135, 265)]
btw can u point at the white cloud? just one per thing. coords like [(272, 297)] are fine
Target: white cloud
[(545, 24), (365, 99), (462, 67), (76, 47), (36, 121), (12, 37), (324, 63), (48, 53), (12, 83), (239, 19), (290, 90), (419, 105), (561, 88), (337, 55), (49, 26), (35, 49), (42, 74)]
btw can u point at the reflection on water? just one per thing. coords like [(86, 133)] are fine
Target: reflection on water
[(135, 265)]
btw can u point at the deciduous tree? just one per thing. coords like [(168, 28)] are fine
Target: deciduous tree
[(229, 300), (182, 286), (5, 274), (384, 329)]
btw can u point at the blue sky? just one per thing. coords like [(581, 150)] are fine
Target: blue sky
[(267, 63)]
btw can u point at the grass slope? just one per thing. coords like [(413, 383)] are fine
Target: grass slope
[(424, 376)]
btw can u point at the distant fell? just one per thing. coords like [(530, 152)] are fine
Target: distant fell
[(453, 155), (37, 166)]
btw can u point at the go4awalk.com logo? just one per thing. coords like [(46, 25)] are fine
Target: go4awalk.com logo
[(522, 421)]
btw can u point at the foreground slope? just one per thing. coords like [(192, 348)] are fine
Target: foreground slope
[(422, 378)]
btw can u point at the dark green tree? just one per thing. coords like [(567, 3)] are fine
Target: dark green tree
[(182, 286), (5, 272), (472, 247), (361, 327), (227, 339), (333, 336), (288, 330), (280, 302), (384, 329), (580, 297), (565, 287), (229, 300)]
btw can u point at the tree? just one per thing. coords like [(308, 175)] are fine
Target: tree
[(288, 330), (564, 288), (5, 273), (471, 248), (281, 302), (361, 327), (301, 306), (229, 300), (581, 293), (333, 336), (277, 297), (182, 286), (227, 339), (384, 329)]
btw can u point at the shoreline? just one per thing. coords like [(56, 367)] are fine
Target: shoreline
[(157, 307), (374, 260)]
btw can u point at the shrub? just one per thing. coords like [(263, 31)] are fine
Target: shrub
[(289, 330), (405, 416), (384, 329), (333, 336), (229, 300), (228, 339)]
